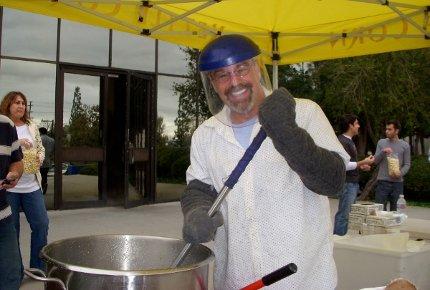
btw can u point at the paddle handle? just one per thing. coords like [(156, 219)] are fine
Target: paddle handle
[(228, 185), (273, 277)]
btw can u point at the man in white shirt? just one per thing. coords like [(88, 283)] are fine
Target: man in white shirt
[(278, 211)]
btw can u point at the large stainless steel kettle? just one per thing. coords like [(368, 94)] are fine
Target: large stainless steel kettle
[(105, 262)]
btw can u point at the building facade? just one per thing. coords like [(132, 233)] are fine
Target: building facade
[(99, 93)]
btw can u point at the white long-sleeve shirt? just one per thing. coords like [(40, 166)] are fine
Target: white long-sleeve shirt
[(270, 218)]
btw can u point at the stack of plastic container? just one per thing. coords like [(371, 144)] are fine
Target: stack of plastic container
[(359, 213), (369, 218)]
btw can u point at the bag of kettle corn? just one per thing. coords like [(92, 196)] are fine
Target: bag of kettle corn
[(30, 161), (393, 164)]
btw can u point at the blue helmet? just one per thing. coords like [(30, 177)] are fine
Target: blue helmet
[(227, 50)]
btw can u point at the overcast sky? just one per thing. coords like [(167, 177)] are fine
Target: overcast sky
[(34, 36)]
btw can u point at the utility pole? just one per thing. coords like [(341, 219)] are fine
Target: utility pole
[(30, 105)]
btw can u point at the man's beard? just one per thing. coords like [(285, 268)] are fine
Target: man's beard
[(244, 106)]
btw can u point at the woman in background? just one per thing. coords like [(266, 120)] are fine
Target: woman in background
[(27, 194)]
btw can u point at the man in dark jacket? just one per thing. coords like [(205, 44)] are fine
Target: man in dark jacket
[(349, 126)]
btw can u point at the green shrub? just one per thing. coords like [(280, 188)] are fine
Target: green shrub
[(172, 163), (164, 160), (417, 181), (89, 169), (179, 167)]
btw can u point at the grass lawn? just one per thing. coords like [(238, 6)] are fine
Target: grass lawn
[(418, 203)]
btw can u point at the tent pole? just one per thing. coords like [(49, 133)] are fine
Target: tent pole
[(408, 19), (275, 59), (181, 16), (202, 26), (105, 17), (275, 74), (358, 32), (378, 2)]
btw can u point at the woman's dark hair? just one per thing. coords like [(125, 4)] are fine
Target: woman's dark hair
[(345, 121), (7, 102)]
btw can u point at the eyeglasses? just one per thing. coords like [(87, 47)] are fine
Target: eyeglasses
[(241, 70)]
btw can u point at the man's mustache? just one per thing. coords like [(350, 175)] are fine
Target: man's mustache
[(238, 88)]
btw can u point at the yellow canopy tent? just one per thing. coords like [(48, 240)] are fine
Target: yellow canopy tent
[(287, 31)]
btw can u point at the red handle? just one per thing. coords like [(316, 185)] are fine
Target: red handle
[(254, 286), (273, 277)]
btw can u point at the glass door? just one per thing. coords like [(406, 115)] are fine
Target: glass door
[(140, 145), (105, 124), (81, 154)]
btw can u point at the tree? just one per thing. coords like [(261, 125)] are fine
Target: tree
[(377, 88), (297, 79), (160, 137), (76, 110), (83, 125), (172, 159), (163, 155), (193, 109), (173, 155)]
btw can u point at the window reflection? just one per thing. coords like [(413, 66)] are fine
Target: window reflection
[(28, 35), (133, 52), (171, 59), (172, 152), (81, 181), (81, 112), (167, 103), (36, 81), (84, 44)]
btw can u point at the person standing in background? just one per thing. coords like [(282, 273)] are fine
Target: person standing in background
[(390, 184), (10, 171), (27, 194), (349, 127), (48, 143)]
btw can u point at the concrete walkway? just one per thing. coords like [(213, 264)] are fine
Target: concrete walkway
[(163, 219)]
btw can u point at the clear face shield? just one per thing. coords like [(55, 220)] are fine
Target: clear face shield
[(235, 92)]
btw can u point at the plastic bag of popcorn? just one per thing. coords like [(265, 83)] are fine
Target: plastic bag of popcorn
[(30, 160), (393, 164)]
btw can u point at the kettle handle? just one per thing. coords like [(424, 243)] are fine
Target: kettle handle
[(31, 272)]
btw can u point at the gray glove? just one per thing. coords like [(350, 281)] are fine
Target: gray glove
[(196, 201), (321, 171)]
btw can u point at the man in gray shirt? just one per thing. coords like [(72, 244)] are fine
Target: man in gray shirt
[(389, 187)]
